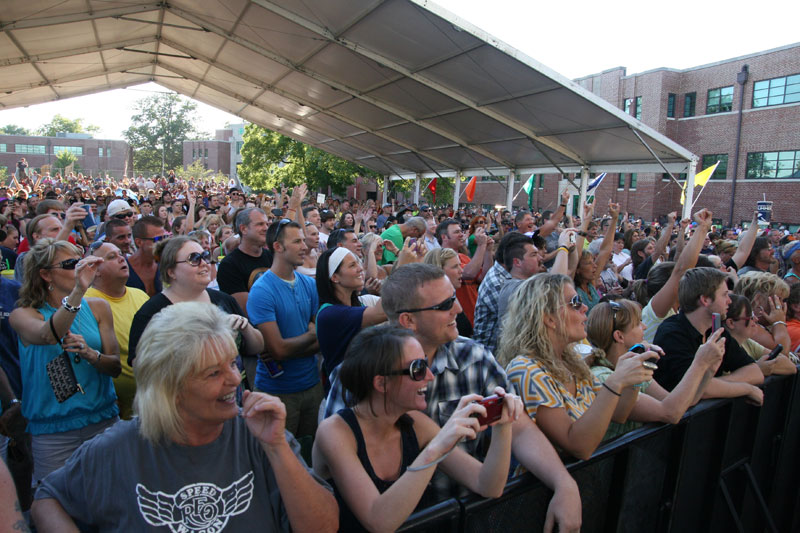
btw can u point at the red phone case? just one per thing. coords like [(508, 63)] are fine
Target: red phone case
[(494, 409)]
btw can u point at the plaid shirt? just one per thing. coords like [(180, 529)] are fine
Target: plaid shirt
[(486, 318), (459, 367)]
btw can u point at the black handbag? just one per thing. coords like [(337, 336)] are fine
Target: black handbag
[(61, 374)]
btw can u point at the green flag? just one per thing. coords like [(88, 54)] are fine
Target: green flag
[(528, 188)]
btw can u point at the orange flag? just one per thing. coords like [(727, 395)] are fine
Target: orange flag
[(470, 190), (432, 188)]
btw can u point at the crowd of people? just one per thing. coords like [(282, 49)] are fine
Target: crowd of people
[(183, 354)]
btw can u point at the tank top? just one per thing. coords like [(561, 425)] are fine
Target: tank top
[(347, 520)]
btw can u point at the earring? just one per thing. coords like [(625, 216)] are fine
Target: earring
[(50, 287)]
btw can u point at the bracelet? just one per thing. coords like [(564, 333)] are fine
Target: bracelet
[(777, 322), (562, 205), (70, 308), (612, 391), (562, 248), (583, 233)]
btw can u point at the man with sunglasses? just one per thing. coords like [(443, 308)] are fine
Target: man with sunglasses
[(283, 306), (144, 273), (109, 284), (421, 298)]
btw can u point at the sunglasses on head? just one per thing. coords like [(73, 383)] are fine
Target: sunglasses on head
[(444, 306), (416, 370), (614, 308), (66, 264), (195, 258)]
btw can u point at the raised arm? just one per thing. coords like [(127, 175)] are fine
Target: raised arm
[(666, 297), (746, 242), (549, 226), (563, 252), (608, 241), (663, 239), (473, 269)]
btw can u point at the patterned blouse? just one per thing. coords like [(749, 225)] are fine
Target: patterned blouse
[(537, 388)]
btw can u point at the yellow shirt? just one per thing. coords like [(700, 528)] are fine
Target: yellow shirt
[(123, 309)]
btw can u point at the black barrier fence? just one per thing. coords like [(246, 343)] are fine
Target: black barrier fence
[(727, 466)]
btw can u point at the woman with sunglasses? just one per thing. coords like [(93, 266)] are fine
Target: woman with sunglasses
[(615, 328), (742, 324), (53, 317), (382, 451), (340, 280), (186, 273), (545, 319)]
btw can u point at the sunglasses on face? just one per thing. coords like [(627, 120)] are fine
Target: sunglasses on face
[(417, 370), (444, 306), (157, 238), (576, 303), (195, 258), (120, 216), (66, 264), (747, 319)]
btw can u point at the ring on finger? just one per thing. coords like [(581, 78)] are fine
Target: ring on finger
[(649, 365)]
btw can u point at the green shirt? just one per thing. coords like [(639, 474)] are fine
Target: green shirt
[(396, 236)]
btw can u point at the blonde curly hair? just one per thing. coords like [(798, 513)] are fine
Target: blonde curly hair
[(525, 333), (753, 283)]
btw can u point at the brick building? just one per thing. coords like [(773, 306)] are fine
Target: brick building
[(95, 156), (700, 109), (221, 154)]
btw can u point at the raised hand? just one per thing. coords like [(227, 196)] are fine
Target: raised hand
[(265, 416), (85, 272), (703, 218)]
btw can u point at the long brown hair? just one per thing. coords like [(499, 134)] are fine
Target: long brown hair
[(33, 292)]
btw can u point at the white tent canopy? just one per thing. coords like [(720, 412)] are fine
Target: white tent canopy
[(399, 86)]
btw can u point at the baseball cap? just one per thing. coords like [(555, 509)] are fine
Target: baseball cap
[(117, 206)]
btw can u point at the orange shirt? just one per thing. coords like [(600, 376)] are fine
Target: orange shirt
[(467, 294), (793, 325)]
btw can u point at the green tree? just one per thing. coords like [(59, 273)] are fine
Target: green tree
[(196, 170), (159, 126), (270, 159), (13, 129), (4, 176), (64, 158), (63, 124)]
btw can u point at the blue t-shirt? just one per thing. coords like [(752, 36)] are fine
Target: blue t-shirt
[(9, 357), (336, 327), (39, 405), (292, 305)]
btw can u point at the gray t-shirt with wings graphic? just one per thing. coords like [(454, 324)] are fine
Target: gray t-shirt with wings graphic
[(120, 482)]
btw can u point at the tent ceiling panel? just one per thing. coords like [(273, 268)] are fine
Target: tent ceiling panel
[(367, 114), (313, 90), (401, 86), (349, 69)]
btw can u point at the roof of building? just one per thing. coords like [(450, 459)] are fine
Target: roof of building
[(399, 86)]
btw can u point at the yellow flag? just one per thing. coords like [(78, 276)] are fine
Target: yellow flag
[(683, 194), (702, 178)]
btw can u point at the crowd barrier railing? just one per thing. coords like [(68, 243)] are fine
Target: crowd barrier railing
[(727, 466)]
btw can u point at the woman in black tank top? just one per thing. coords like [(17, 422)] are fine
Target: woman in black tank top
[(381, 452)]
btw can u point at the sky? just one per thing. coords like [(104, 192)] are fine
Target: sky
[(574, 38)]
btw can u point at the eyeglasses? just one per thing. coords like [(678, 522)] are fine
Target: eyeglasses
[(157, 238), (614, 308), (417, 370), (120, 216), (59, 214), (576, 303), (747, 319), (195, 258), (444, 306), (66, 264)]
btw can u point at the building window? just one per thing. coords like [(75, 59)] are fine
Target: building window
[(722, 169), (719, 100), (671, 105), (75, 150), (239, 147), (628, 104), (621, 182), (689, 100), (679, 177), (100, 152), (206, 155), (3, 148), (773, 164), (194, 154), (108, 152), (30, 149), (777, 91), (638, 108), (541, 181), (632, 183)]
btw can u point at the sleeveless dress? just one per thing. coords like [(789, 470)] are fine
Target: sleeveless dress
[(347, 520)]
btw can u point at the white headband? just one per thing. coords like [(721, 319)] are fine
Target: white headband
[(336, 259)]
